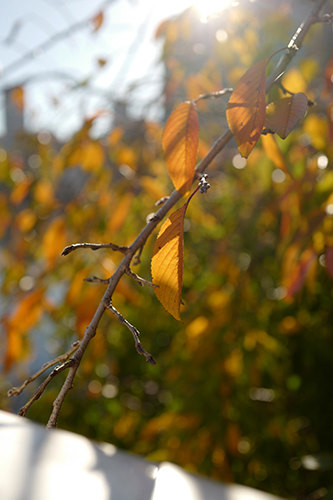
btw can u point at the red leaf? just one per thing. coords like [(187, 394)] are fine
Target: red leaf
[(246, 108), (282, 116), (180, 145)]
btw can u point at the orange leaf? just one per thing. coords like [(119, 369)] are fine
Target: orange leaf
[(98, 21), (54, 240), (282, 116), (24, 316), (21, 190), (180, 145), (274, 153), (17, 97), (167, 262), (246, 108)]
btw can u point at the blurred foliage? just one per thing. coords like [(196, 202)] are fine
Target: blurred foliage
[(242, 390)]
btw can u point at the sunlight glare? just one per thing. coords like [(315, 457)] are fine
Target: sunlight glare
[(205, 8), (208, 7)]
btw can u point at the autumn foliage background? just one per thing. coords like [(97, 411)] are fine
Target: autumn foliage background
[(242, 390)]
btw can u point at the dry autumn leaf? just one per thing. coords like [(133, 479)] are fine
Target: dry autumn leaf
[(167, 262), (98, 21), (282, 116), (246, 108), (180, 144)]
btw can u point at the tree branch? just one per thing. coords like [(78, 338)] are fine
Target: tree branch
[(134, 250), (94, 246), (136, 334), (15, 391), (139, 280), (43, 386)]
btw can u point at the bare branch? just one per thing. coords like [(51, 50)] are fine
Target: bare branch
[(94, 279), (15, 391), (137, 259), (42, 387), (136, 334), (295, 44), (326, 18), (161, 201), (137, 278), (214, 95), (94, 246), (28, 56)]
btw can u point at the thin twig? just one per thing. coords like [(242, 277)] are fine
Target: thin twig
[(214, 95), (140, 280), (15, 391), (136, 334), (94, 279), (137, 260), (31, 54), (94, 246), (283, 88), (326, 18), (42, 387), (161, 201)]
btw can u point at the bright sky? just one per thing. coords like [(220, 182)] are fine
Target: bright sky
[(125, 40)]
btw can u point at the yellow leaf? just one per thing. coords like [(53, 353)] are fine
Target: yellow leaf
[(119, 214), (127, 156), (20, 191), (167, 262), (317, 128), (115, 136), (197, 327), (294, 81), (54, 241), (282, 116), (233, 364), (274, 153), (180, 145), (26, 220), (44, 193), (246, 108), (93, 156)]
